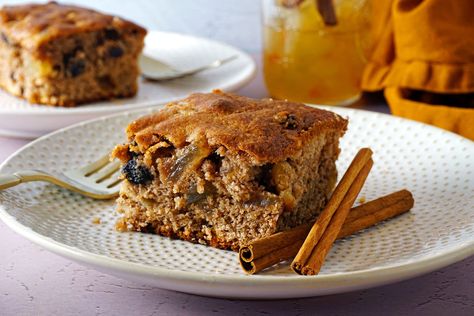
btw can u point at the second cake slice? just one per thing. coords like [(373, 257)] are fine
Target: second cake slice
[(223, 170), (63, 55)]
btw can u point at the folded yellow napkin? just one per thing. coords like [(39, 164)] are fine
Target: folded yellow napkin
[(424, 45)]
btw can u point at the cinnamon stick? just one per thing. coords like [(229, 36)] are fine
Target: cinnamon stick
[(392, 205), (327, 12), (319, 227), (320, 249), (281, 246), (280, 254), (325, 8), (276, 241)]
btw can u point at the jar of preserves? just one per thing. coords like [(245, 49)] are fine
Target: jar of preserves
[(314, 51)]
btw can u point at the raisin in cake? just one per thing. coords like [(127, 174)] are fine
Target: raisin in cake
[(64, 55), (222, 170)]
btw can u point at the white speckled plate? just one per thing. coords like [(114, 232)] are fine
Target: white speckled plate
[(20, 119), (437, 166)]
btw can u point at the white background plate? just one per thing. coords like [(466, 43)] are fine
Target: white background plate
[(437, 166), (18, 118)]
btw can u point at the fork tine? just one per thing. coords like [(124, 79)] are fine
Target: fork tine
[(111, 179), (95, 166), (112, 184), (105, 172)]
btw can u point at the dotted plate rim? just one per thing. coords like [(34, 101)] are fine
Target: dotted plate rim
[(243, 286)]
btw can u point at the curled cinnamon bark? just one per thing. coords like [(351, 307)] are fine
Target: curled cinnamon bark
[(271, 250), (322, 235)]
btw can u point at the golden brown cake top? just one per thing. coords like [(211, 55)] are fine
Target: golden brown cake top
[(31, 25), (266, 130)]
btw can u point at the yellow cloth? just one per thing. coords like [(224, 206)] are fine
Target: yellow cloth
[(458, 120), (424, 45)]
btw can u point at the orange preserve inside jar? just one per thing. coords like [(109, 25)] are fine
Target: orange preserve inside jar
[(309, 59)]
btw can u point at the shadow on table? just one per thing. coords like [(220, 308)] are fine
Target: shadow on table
[(372, 101)]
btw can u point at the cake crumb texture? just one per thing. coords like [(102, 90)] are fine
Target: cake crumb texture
[(224, 170)]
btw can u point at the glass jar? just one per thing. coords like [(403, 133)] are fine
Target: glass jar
[(307, 58)]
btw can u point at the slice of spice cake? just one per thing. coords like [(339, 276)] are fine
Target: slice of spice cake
[(222, 170), (63, 55)]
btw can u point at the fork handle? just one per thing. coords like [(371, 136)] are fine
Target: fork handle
[(9, 180)]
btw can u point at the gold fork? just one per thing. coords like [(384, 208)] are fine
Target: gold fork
[(98, 180)]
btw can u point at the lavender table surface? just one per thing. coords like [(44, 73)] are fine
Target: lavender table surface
[(36, 282)]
